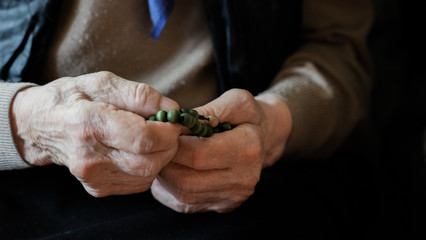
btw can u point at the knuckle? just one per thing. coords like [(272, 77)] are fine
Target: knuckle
[(82, 127), (83, 169), (185, 208), (145, 94), (101, 80), (144, 143), (253, 151), (183, 186), (103, 76), (149, 140), (95, 192), (85, 134), (148, 170), (90, 123), (247, 104), (78, 170), (244, 96), (180, 207), (186, 198)]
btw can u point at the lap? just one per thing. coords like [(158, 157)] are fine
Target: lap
[(291, 200)]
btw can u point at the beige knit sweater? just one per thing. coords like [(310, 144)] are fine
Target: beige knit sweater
[(326, 83)]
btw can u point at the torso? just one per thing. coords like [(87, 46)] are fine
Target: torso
[(115, 36)]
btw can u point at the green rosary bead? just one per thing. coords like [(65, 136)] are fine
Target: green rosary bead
[(190, 119), (194, 113), (190, 111), (173, 116), (184, 119), (161, 116), (187, 120), (193, 122), (203, 131), (197, 128), (225, 126), (184, 110), (209, 132)]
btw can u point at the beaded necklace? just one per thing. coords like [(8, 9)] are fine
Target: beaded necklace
[(190, 119)]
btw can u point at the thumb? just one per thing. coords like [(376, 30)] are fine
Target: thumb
[(127, 95), (234, 106)]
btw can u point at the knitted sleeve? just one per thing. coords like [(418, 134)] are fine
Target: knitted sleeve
[(326, 83), (9, 156)]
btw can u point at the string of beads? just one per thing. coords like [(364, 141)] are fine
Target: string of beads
[(190, 119)]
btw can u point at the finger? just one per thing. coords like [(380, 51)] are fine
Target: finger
[(169, 200), (187, 180), (129, 132), (108, 179), (205, 203), (108, 189), (211, 153), (145, 167), (220, 151), (103, 176), (225, 189), (136, 97), (234, 106), (204, 198)]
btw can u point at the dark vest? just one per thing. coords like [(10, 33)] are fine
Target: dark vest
[(251, 39)]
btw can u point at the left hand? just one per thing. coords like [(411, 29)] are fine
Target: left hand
[(219, 173)]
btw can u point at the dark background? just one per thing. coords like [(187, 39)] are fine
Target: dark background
[(399, 109)]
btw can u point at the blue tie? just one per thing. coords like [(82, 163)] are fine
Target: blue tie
[(159, 11)]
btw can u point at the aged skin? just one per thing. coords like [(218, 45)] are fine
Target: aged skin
[(94, 124), (220, 172)]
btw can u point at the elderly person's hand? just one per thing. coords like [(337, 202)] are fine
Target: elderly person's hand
[(94, 124), (219, 173)]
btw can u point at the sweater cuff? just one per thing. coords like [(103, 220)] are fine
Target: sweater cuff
[(9, 155), (311, 103)]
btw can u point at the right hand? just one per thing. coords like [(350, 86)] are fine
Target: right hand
[(95, 125)]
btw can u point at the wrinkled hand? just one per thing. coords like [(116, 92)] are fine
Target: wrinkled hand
[(94, 124), (219, 173)]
